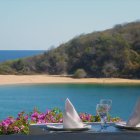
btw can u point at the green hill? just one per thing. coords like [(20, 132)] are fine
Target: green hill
[(111, 53)]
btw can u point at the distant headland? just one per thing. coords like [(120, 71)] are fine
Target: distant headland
[(113, 53)]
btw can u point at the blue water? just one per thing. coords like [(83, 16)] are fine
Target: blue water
[(16, 98), (14, 54)]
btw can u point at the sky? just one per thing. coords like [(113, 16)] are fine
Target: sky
[(43, 24)]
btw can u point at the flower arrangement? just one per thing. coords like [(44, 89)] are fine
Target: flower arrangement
[(89, 118), (21, 123), (12, 126), (50, 116)]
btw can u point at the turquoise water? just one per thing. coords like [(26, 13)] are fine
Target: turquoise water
[(15, 54), (16, 98)]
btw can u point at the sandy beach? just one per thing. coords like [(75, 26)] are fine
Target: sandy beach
[(38, 79)]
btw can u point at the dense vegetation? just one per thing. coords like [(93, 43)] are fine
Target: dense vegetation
[(111, 53)]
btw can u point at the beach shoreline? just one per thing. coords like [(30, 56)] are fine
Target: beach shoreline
[(58, 79)]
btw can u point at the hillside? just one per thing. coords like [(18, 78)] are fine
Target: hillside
[(111, 53)]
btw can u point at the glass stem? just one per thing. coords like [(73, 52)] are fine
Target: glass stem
[(102, 123)]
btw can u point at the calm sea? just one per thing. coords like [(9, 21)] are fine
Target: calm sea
[(16, 98), (14, 54)]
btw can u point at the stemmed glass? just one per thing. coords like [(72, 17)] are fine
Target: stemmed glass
[(108, 102), (102, 111)]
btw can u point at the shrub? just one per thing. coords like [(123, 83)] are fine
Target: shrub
[(80, 73), (13, 126)]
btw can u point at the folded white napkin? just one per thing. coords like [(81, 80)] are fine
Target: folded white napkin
[(134, 119), (71, 118)]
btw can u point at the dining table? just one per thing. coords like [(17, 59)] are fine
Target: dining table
[(110, 132)]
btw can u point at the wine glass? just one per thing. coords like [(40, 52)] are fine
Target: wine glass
[(108, 102), (102, 111)]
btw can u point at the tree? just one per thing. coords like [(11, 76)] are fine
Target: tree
[(19, 65), (80, 73), (109, 70)]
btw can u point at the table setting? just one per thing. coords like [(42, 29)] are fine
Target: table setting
[(71, 120), (73, 123), (133, 122)]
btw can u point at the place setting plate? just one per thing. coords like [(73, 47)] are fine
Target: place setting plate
[(60, 127), (122, 125)]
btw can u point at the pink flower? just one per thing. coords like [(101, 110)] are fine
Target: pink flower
[(41, 116), (35, 114), (26, 117), (88, 117), (33, 118), (16, 129), (61, 120), (47, 111), (5, 124), (22, 127), (10, 120), (20, 113)]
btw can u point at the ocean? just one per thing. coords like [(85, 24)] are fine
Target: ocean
[(15, 54), (17, 98)]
